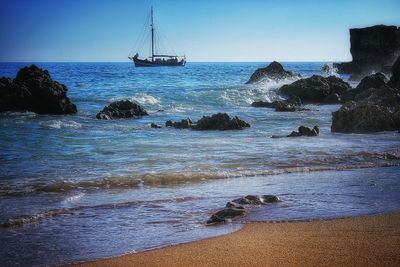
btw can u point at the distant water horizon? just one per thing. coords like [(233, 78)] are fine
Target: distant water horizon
[(75, 188)]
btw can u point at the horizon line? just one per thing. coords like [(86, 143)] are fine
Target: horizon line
[(283, 61)]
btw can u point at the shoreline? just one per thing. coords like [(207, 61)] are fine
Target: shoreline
[(356, 241)]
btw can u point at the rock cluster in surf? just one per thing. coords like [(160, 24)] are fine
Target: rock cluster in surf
[(34, 90), (219, 121), (373, 106), (121, 109), (237, 207)]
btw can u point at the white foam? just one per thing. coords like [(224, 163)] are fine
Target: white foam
[(58, 124), (266, 90), (140, 98)]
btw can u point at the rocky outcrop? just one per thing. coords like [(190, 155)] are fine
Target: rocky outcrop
[(238, 206), (121, 109), (366, 116), (374, 106), (374, 49), (394, 81), (220, 121), (372, 81), (34, 90), (273, 71), (316, 89)]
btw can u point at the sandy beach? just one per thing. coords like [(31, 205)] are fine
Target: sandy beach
[(361, 241)]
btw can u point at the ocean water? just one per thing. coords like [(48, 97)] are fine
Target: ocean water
[(75, 188)]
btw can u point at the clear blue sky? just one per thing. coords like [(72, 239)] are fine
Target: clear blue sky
[(206, 30)]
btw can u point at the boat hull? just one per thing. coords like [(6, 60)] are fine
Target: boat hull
[(159, 63)]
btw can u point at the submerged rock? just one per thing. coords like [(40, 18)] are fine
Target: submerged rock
[(226, 214), (273, 71), (183, 124), (315, 89), (121, 109), (156, 126), (256, 200), (237, 207), (305, 131), (34, 90), (220, 121)]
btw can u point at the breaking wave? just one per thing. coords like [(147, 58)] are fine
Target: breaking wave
[(38, 217), (58, 124), (331, 163), (266, 90), (140, 98)]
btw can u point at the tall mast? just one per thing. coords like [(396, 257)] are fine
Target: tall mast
[(152, 35)]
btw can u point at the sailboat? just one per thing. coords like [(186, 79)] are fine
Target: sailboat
[(156, 60)]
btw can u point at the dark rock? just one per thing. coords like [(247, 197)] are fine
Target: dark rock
[(220, 121), (295, 100), (256, 200), (376, 80), (121, 109), (292, 104), (34, 90), (315, 88), (374, 49), (305, 131), (273, 71), (233, 205), (332, 99), (225, 215), (395, 79), (183, 124), (366, 116), (156, 126), (236, 207)]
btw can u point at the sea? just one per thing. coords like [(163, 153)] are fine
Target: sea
[(74, 188)]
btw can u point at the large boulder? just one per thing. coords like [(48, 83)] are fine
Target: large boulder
[(34, 90), (315, 89), (121, 109), (273, 71), (374, 49), (376, 80), (366, 116), (220, 121), (395, 79)]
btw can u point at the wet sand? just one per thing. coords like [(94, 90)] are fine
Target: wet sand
[(361, 241)]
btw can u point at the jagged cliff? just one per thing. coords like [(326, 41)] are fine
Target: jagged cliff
[(373, 49)]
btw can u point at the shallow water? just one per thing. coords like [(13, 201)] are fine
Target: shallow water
[(75, 188)]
